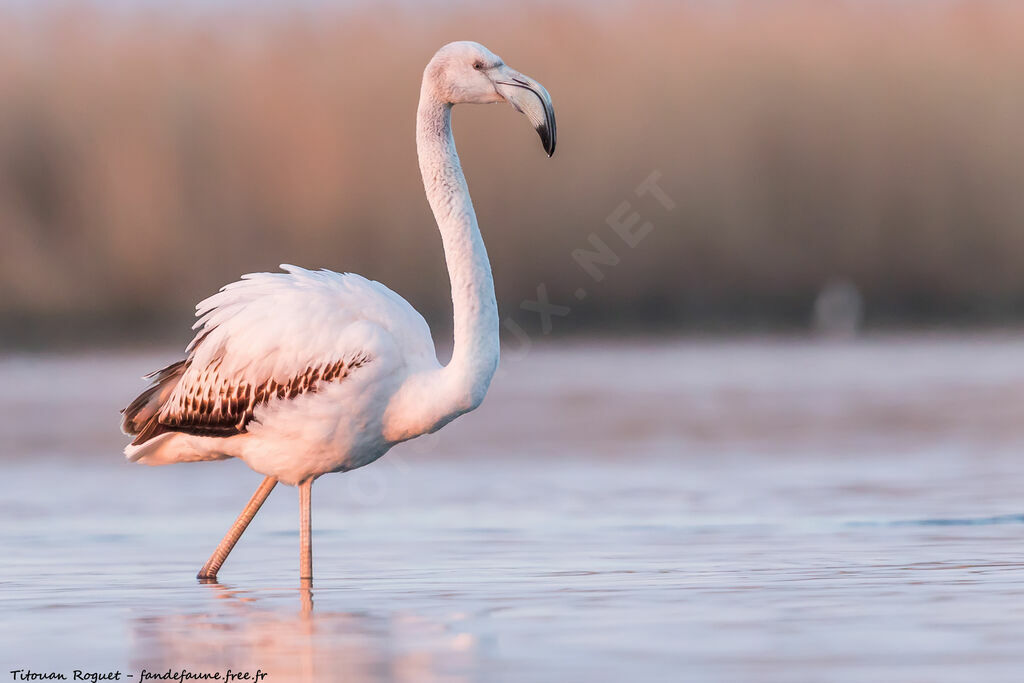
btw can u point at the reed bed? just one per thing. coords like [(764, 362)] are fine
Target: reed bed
[(145, 159)]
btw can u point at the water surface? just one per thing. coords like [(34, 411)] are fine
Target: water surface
[(712, 511)]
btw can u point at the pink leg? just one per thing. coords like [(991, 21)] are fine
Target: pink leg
[(305, 531), (212, 566)]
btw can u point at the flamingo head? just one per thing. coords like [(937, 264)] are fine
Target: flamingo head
[(467, 72)]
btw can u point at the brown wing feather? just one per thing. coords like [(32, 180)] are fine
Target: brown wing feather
[(141, 413), (216, 405)]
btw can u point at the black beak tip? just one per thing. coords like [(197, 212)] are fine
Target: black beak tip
[(547, 139)]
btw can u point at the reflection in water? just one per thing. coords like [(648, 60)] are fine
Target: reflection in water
[(249, 631), (731, 512)]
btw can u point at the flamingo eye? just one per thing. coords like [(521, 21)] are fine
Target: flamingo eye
[(478, 65)]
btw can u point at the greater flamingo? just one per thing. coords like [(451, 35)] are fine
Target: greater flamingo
[(305, 372)]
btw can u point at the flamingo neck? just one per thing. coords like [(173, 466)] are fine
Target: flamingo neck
[(464, 381)]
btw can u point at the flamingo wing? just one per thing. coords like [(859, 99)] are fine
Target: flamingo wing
[(275, 336)]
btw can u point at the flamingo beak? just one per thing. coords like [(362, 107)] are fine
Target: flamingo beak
[(529, 97)]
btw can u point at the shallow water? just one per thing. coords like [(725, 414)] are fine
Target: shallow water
[(713, 511)]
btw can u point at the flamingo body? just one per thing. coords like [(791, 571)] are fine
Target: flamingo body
[(275, 327)]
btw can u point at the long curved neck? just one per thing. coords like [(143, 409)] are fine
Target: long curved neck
[(465, 380)]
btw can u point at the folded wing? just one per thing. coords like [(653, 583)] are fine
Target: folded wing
[(274, 336)]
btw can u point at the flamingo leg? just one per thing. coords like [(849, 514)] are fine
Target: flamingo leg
[(305, 531), (212, 566)]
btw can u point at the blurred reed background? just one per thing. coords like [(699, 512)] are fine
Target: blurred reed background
[(149, 156)]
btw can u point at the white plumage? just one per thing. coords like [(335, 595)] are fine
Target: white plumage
[(274, 327), (305, 372)]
